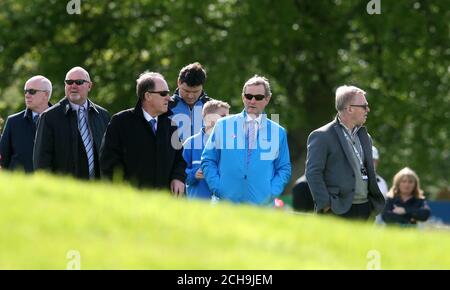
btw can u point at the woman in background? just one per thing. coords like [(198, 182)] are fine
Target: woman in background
[(406, 204)]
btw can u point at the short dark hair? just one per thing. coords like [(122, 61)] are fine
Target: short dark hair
[(193, 75), (146, 82)]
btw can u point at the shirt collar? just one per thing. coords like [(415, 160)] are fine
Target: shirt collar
[(355, 129), (76, 107), (148, 117), (258, 119)]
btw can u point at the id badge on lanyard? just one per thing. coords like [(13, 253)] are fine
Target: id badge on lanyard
[(364, 174)]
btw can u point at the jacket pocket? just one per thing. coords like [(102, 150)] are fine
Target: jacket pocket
[(333, 191)]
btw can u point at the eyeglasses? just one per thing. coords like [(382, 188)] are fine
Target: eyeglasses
[(32, 91), (78, 82), (162, 93), (257, 97), (365, 107)]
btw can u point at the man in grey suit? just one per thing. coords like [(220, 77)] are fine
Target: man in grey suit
[(339, 165)]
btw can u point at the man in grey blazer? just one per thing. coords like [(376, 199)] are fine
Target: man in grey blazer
[(339, 165)]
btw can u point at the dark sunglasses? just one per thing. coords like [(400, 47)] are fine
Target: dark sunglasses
[(78, 82), (162, 93), (257, 97), (32, 91), (365, 107)]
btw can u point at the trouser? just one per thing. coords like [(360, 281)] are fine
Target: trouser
[(358, 211)]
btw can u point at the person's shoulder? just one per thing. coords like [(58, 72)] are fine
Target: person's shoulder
[(100, 108), (191, 140), (231, 117), (174, 100), (275, 125), (124, 114), (14, 121), (62, 104), (16, 116), (204, 98), (327, 127), (420, 200), (391, 199), (57, 109), (324, 130)]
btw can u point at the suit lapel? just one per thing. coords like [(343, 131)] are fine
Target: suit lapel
[(365, 144), (344, 144)]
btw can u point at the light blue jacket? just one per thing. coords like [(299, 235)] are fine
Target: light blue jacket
[(189, 121), (192, 153), (231, 177)]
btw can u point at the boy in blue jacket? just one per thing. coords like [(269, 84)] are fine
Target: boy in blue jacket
[(196, 185)]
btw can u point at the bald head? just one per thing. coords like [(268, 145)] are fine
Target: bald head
[(77, 85), (81, 70)]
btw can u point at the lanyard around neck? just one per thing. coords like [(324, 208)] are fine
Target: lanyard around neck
[(358, 155)]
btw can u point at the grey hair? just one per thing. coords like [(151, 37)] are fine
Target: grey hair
[(258, 80), (345, 94), (45, 82)]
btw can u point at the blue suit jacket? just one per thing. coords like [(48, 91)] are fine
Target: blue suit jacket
[(17, 141)]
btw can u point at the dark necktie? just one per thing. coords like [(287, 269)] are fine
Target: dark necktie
[(35, 119), (153, 125)]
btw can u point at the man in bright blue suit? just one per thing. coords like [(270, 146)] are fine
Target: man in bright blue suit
[(246, 158)]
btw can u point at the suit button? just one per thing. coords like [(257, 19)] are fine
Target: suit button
[(245, 176), (353, 190)]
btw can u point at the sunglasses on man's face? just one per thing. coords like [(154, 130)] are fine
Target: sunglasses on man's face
[(77, 82), (364, 107), (32, 91), (257, 97), (162, 93)]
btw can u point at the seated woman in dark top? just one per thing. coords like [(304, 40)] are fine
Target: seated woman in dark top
[(406, 204)]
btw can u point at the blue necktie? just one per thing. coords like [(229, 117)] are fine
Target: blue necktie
[(153, 125), (35, 119), (87, 140)]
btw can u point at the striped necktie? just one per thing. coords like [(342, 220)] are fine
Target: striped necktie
[(87, 140)]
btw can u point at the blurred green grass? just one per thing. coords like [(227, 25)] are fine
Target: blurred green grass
[(115, 226)]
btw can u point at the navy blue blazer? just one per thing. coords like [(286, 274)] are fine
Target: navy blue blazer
[(17, 141)]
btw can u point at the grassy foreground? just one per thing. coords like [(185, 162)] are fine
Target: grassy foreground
[(43, 218)]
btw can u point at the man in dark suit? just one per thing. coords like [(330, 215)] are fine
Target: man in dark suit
[(69, 134), (142, 143), (339, 165), (17, 141)]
